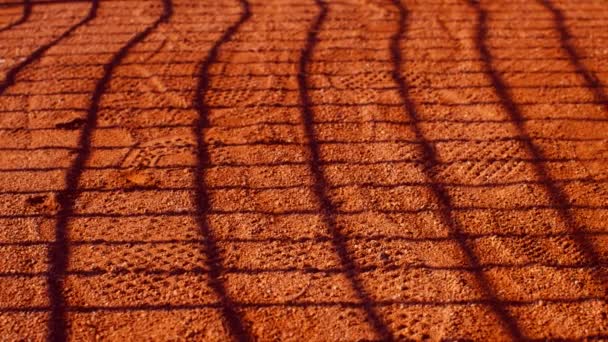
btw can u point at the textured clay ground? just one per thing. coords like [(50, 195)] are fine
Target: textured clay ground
[(303, 169)]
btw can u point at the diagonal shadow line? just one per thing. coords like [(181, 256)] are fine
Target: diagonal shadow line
[(58, 251), (12, 73), (558, 198), (441, 194), (214, 259), (591, 80), (25, 16), (320, 184)]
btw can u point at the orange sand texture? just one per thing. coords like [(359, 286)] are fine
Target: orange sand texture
[(305, 170)]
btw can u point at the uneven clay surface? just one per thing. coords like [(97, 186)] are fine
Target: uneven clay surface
[(303, 170)]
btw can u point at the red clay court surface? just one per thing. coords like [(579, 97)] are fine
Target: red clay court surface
[(303, 169)]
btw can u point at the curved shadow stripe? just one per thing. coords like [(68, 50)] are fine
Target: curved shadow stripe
[(58, 251), (214, 259), (319, 187), (559, 200), (444, 199), (593, 82), (25, 15), (12, 73)]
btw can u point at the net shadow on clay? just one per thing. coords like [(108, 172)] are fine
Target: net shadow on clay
[(556, 195), (592, 81), (440, 193), (235, 322), (316, 165), (25, 15), (58, 253), (38, 53), (319, 187)]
